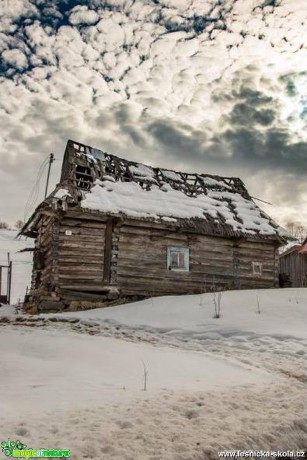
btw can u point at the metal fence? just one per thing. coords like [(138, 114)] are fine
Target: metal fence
[(6, 281)]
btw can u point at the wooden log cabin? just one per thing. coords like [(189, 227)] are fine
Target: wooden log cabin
[(114, 230), (293, 266)]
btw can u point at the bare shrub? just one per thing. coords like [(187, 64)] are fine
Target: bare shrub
[(217, 298), (258, 297), (202, 291), (145, 375)]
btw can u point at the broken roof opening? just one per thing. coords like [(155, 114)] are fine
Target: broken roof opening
[(100, 182)]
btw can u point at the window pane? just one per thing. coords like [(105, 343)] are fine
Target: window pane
[(174, 259), (257, 268), (181, 259), (178, 258)]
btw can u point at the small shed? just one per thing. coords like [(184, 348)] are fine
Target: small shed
[(293, 266), (115, 229)]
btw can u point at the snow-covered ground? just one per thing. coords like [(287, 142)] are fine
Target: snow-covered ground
[(237, 382), (282, 314), (76, 380)]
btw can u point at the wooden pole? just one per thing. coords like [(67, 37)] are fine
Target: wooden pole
[(9, 277), (51, 159)]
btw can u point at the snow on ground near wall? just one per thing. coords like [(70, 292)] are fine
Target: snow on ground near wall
[(283, 314), (22, 262), (275, 338), (237, 382)]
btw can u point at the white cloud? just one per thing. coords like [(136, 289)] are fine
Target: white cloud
[(12, 10), (112, 32), (110, 75), (15, 58), (83, 15)]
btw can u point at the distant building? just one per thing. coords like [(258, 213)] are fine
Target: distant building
[(293, 266), (114, 230)]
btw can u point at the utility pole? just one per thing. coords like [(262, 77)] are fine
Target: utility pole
[(51, 159), (9, 278)]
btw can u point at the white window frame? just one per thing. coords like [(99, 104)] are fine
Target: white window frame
[(186, 258), (257, 268)]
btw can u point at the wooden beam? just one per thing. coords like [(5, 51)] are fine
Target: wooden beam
[(108, 251)]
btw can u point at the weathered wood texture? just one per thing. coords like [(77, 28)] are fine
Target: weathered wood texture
[(257, 252), (88, 256), (214, 262), (81, 255), (45, 255), (108, 252), (295, 266)]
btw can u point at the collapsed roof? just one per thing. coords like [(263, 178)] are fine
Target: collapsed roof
[(95, 181)]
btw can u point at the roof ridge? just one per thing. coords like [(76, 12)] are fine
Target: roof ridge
[(132, 162)]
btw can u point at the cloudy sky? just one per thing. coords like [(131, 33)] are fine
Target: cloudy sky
[(209, 86)]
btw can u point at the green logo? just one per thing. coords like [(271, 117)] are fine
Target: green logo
[(8, 447), (18, 450)]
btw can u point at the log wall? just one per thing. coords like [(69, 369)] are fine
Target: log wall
[(81, 255), (45, 255), (295, 266), (265, 253), (142, 254)]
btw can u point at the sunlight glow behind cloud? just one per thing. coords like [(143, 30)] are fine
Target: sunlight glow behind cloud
[(212, 86)]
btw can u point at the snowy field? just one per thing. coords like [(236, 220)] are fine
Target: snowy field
[(76, 380)]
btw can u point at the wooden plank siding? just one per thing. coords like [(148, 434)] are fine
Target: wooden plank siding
[(81, 255), (295, 266), (89, 255), (108, 251), (257, 252), (44, 258), (142, 253)]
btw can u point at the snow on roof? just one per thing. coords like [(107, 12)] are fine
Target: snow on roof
[(143, 172), (61, 193), (289, 247), (131, 199), (171, 175), (109, 184)]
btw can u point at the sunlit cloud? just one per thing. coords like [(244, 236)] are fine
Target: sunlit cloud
[(217, 87)]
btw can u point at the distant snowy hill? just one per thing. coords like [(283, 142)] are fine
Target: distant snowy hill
[(22, 261)]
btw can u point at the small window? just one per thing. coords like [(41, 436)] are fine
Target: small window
[(257, 268), (178, 259)]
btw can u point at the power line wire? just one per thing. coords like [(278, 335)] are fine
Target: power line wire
[(35, 189)]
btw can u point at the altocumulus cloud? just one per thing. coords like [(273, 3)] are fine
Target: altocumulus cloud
[(213, 86)]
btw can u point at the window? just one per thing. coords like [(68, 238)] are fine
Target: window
[(178, 259), (257, 268)]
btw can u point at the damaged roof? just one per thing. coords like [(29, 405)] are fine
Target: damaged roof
[(96, 181)]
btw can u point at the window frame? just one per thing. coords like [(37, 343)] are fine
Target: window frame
[(255, 267), (186, 258)]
